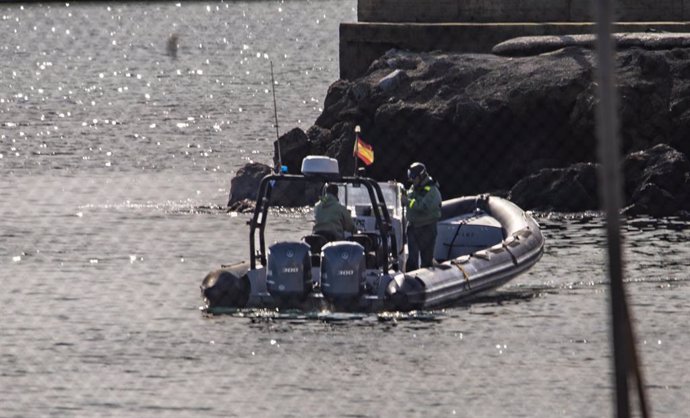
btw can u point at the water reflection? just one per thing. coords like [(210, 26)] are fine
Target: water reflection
[(116, 74), (84, 80), (295, 317)]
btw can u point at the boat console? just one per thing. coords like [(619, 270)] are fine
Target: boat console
[(465, 234)]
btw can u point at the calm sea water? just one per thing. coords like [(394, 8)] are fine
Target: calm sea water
[(115, 161)]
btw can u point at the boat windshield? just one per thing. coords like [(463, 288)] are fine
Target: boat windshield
[(357, 196)]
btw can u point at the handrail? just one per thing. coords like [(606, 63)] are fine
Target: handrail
[(263, 197)]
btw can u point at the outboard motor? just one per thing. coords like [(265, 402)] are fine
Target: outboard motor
[(288, 278), (342, 273)]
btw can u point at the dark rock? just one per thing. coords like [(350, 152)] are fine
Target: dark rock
[(242, 206), (246, 183), (344, 100), (294, 146), (482, 122), (650, 199), (479, 122), (657, 181), (572, 189), (645, 87), (320, 139), (294, 194), (392, 81), (661, 165)]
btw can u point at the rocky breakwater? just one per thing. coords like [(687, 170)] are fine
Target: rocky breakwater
[(519, 122)]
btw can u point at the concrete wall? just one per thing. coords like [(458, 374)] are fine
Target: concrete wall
[(486, 11), (362, 43), (478, 25)]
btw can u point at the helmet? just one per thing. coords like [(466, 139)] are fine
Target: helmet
[(416, 170)]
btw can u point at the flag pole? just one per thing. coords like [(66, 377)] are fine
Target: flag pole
[(357, 132)]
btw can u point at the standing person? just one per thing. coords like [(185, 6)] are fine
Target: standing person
[(423, 203), (332, 218)]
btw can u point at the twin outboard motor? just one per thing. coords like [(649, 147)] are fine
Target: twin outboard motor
[(343, 267), (342, 273), (288, 278)]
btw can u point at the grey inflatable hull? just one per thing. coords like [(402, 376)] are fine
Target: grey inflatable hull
[(466, 275)]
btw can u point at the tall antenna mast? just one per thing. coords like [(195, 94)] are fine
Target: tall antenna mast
[(278, 169)]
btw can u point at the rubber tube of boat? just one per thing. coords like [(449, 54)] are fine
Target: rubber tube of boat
[(226, 288), (405, 293)]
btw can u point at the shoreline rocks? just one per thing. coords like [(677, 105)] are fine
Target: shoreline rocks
[(516, 126)]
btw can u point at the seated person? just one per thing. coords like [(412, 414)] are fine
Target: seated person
[(332, 218)]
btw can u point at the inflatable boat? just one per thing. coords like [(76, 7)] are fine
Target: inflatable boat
[(483, 242)]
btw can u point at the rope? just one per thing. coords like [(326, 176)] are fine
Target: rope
[(464, 273)]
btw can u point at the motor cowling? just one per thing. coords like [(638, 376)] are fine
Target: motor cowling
[(288, 278), (342, 272)]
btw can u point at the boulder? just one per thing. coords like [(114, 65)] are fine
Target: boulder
[(245, 185), (246, 182), (482, 123), (656, 183), (294, 146), (242, 206), (572, 189)]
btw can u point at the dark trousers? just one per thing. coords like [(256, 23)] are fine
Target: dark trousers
[(420, 244)]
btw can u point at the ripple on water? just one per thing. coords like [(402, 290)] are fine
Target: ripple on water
[(124, 136)]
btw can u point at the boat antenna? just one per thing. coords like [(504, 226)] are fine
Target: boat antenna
[(279, 168)]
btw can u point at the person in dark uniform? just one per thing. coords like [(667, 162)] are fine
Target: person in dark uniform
[(423, 203), (332, 218)]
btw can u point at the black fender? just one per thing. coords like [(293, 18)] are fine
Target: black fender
[(227, 287), (405, 293)]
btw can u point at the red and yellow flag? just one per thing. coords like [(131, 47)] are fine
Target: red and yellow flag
[(363, 151)]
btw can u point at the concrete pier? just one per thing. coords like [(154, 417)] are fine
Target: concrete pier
[(494, 11), (478, 25)]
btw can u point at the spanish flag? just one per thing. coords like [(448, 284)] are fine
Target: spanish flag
[(364, 151)]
